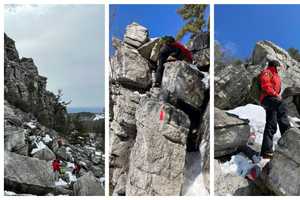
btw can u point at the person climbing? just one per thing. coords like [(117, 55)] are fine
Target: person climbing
[(276, 109), (76, 169), (170, 47), (56, 165)]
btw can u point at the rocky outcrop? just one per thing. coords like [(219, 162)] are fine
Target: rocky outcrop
[(27, 175), (88, 185), (183, 83), (150, 126), (26, 89), (232, 84), (284, 168), (136, 35), (159, 147), (199, 45), (230, 133), (31, 113)]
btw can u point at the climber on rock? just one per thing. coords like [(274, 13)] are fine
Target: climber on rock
[(56, 165), (170, 47), (276, 109)]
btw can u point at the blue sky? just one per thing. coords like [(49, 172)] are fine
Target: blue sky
[(159, 19), (239, 27)]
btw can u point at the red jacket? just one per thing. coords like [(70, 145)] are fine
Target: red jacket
[(56, 165), (184, 51), (270, 83)]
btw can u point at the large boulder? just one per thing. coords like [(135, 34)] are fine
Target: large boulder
[(232, 85), (136, 35), (265, 51), (125, 107), (230, 133), (158, 156), (182, 82), (88, 185), (15, 140), (44, 154), (130, 68), (284, 175), (199, 41), (27, 175), (146, 49), (232, 184)]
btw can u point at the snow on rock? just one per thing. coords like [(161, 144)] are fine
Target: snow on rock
[(9, 193), (238, 165), (102, 181), (98, 117), (31, 125), (40, 145), (257, 120), (205, 80), (194, 183), (70, 165), (72, 178), (47, 138), (61, 182)]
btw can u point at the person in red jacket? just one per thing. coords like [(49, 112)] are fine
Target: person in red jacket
[(170, 47), (276, 109), (56, 168)]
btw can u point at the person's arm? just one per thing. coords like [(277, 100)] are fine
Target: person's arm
[(266, 85)]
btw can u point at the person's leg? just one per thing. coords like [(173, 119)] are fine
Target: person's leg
[(282, 117), (164, 53), (270, 128)]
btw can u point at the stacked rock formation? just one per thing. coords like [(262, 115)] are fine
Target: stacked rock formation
[(150, 137)]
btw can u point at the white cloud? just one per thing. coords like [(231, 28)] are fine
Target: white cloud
[(67, 44)]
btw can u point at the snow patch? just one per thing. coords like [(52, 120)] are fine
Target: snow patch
[(205, 80), (194, 183), (238, 165), (31, 125), (61, 182), (40, 145), (72, 178), (9, 193), (257, 120), (98, 117), (47, 138)]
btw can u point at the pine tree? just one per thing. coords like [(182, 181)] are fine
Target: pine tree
[(194, 15), (294, 53)]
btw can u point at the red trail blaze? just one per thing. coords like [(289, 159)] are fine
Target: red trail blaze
[(161, 115)]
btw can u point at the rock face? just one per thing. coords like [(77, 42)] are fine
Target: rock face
[(27, 175), (283, 178), (87, 185), (233, 82), (232, 85), (130, 68), (159, 147), (230, 133), (136, 35), (266, 50), (150, 126), (26, 89), (30, 141), (199, 45), (183, 83)]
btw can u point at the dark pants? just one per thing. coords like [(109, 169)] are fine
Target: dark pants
[(165, 52), (276, 112)]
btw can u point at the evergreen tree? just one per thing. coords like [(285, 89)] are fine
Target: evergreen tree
[(294, 53), (193, 14)]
